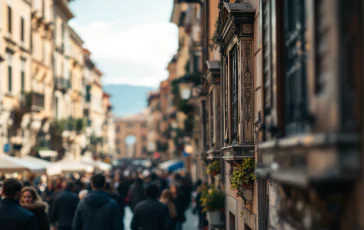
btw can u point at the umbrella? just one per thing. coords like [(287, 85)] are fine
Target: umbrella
[(171, 165)]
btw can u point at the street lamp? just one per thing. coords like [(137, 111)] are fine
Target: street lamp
[(185, 85)]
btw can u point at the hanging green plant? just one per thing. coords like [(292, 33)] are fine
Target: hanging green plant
[(213, 169), (243, 176), (212, 199)]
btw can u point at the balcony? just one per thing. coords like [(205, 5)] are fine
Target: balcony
[(62, 84), (31, 101)]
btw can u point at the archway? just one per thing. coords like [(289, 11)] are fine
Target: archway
[(130, 144), (131, 133)]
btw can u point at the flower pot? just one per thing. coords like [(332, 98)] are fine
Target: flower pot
[(214, 173), (247, 185), (214, 217)]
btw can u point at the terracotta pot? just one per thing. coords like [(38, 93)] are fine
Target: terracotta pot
[(214, 173), (247, 185)]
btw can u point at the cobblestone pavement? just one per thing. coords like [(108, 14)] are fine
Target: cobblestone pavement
[(190, 224)]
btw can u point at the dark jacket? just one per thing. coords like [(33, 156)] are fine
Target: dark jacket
[(98, 211), (118, 200), (150, 215), (14, 217), (39, 210), (64, 208), (136, 195), (181, 207)]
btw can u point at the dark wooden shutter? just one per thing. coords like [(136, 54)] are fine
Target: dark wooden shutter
[(233, 60), (22, 29), (212, 131), (9, 20), (267, 56), (295, 67)]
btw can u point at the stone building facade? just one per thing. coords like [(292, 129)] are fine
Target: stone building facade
[(44, 76), (286, 92)]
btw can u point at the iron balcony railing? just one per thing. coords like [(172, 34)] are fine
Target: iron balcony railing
[(32, 101), (62, 83)]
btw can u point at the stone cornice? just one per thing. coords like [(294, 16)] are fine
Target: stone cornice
[(236, 19), (63, 5), (213, 72)]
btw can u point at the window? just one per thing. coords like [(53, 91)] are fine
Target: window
[(22, 75), (43, 8), (267, 56), (22, 29), (71, 79), (9, 20), (62, 35), (10, 73), (295, 67), (233, 74), (212, 138), (204, 121)]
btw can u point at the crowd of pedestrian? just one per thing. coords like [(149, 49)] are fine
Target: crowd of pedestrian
[(86, 202)]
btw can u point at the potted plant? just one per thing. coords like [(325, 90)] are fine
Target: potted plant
[(214, 168), (213, 202), (243, 177)]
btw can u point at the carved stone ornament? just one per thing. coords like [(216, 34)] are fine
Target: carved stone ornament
[(248, 85), (247, 29)]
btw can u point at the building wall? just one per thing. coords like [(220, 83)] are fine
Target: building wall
[(49, 51)]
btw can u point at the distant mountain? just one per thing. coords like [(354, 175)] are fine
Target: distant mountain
[(127, 99)]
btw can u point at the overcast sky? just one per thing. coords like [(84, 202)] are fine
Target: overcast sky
[(131, 41)]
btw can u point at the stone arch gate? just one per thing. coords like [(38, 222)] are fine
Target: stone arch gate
[(135, 125)]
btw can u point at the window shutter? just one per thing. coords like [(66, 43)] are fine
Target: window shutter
[(234, 94), (9, 20)]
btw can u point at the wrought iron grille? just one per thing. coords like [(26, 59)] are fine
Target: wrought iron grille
[(295, 67), (234, 94)]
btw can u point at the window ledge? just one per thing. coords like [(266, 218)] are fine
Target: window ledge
[(238, 152), (213, 154), (307, 160)]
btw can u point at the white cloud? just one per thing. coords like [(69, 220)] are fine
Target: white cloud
[(147, 44)]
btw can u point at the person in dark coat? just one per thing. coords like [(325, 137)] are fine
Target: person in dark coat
[(64, 208), (136, 194), (112, 194), (98, 211), (150, 214), (12, 215), (122, 189), (181, 204), (31, 201)]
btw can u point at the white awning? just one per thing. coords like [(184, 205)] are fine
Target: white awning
[(48, 165), (88, 160), (71, 166), (13, 164)]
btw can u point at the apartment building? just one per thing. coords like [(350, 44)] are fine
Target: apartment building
[(46, 77)]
